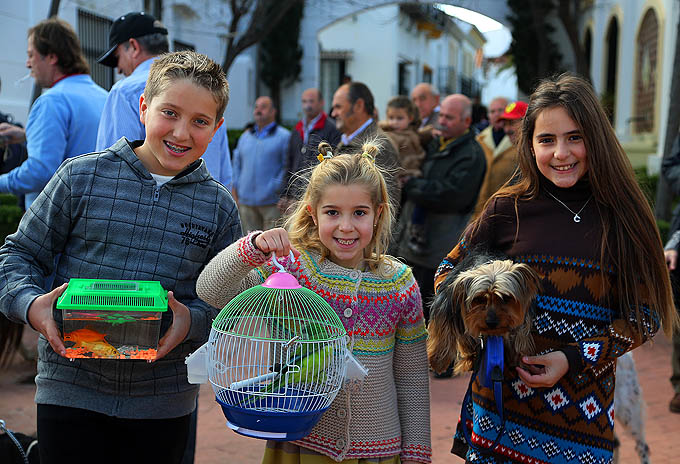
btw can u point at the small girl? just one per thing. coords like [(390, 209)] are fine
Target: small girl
[(341, 228), (402, 127)]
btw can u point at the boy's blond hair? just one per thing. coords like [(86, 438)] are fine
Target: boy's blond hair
[(196, 67), (359, 168)]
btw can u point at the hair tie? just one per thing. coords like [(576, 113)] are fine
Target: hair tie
[(368, 156), (321, 156)]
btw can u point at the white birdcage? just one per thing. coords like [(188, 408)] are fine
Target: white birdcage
[(276, 359)]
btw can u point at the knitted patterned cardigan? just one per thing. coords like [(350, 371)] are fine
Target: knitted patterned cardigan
[(384, 317), (572, 421)]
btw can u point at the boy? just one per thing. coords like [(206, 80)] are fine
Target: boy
[(143, 210)]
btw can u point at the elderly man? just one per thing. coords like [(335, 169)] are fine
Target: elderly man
[(442, 199), (426, 97), (63, 121), (353, 110), (501, 162), (493, 136), (314, 127), (135, 41), (259, 166)]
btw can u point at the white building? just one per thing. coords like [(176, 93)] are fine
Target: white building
[(631, 46), (200, 25), (387, 46), (391, 49)]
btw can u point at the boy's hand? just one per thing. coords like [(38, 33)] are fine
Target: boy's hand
[(181, 323), (275, 241), (41, 319)]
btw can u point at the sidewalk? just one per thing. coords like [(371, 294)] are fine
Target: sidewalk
[(219, 445)]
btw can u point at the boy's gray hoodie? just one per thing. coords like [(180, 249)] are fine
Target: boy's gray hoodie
[(103, 216)]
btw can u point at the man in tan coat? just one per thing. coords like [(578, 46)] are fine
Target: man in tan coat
[(501, 161)]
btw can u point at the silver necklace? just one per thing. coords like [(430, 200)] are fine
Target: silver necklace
[(577, 217)]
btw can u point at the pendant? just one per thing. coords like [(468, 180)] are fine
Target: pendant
[(577, 218)]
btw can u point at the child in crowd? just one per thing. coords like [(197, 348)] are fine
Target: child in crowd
[(142, 210), (402, 127), (341, 228)]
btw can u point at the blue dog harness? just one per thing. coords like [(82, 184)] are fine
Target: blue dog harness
[(490, 374)]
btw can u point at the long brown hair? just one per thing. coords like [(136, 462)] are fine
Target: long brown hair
[(630, 242), (359, 168)]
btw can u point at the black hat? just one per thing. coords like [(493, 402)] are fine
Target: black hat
[(131, 25)]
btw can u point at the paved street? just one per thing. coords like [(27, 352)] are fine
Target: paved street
[(219, 445)]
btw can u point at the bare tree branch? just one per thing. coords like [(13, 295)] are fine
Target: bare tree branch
[(265, 15)]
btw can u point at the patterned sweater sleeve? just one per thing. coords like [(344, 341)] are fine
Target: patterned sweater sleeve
[(411, 375), (231, 272), (613, 341)]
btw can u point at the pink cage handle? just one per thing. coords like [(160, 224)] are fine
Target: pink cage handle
[(281, 279)]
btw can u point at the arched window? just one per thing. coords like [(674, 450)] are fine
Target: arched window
[(645, 73)]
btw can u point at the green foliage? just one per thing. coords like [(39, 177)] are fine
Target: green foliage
[(664, 229), (233, 136), (649, 184), (280, 52), (533, 50), (10, 214)]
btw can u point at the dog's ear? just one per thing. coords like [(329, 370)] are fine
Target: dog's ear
[(445, 326), (531, 283)]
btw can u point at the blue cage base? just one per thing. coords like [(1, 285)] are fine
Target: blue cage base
[(272, 425)]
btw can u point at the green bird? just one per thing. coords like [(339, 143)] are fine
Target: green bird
[(312, 368)]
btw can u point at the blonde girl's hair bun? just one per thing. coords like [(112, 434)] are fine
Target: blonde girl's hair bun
[(370, 150), (324, 151)]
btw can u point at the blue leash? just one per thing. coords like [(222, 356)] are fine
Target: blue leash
[(490, 375)]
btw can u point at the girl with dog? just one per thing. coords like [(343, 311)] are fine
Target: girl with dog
[(339, 233), (576, 216)]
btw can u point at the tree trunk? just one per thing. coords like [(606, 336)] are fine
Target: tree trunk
[(568, 12), (275, 95), (663, 193), (264, 16)]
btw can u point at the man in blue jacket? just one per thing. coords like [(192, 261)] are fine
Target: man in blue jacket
[(63, 121), (259, 168)]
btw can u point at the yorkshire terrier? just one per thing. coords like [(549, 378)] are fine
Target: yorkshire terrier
[(484, 294)]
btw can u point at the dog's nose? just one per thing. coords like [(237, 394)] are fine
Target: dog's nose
[(491, 319)]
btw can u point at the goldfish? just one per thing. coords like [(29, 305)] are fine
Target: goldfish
[(99, 349), (92, 341), (84, 335)]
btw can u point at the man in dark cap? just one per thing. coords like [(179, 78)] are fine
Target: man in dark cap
[(135, 40)]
